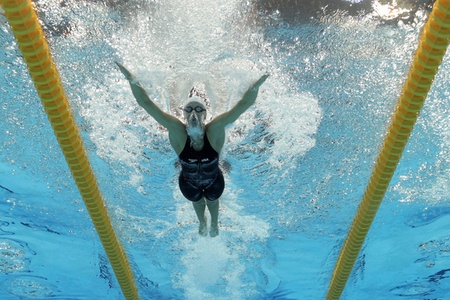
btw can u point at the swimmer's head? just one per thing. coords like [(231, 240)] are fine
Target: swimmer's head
[(195, 115), (195, 107)]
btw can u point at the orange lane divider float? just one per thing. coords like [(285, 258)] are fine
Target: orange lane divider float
[(35, 50), (431, 50)]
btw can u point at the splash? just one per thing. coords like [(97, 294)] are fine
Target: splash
[(172, 46), (219, 268)]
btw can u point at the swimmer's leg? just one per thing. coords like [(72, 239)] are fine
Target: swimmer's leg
[(199, 207), (213, 207)]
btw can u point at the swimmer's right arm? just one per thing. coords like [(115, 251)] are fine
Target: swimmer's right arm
[(177, 130), (166, 120)]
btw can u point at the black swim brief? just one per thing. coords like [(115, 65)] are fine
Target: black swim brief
[(195, 190)]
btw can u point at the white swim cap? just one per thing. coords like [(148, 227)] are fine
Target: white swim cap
[(197, 100)]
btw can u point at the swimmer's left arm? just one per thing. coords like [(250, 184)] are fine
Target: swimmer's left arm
[(247, 100), (215, 130)]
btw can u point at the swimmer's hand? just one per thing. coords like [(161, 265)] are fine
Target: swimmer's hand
[(258, 83), (252, 92), (130, 77)]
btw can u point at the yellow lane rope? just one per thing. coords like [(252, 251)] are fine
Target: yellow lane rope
[(34, 47), (431, 50)]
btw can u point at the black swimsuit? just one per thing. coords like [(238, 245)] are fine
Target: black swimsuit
[(200, 173)]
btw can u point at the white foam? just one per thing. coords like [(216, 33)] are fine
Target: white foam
[(190, 44), (217, 268), (181, 44)]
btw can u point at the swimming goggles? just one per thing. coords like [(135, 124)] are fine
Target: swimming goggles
[(198, 109)]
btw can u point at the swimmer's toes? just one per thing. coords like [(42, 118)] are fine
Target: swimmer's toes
[(214, 231)]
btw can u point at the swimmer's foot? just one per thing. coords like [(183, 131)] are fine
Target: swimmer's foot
[(214, 230), (203, 229)]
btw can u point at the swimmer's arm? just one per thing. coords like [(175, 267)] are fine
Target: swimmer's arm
[(166, 120), (215, 130), (247, 100), (177, 130)]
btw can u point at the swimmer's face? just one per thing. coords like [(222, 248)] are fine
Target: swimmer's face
[(195, 112), (195, 115)]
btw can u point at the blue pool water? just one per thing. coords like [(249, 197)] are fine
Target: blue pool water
[(296, 165)]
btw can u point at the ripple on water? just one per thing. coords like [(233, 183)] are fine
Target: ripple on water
[(416, 289), (428, 216), (14, 256), (28, 286)]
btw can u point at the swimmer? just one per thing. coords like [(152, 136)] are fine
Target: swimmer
[(198, 146)]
